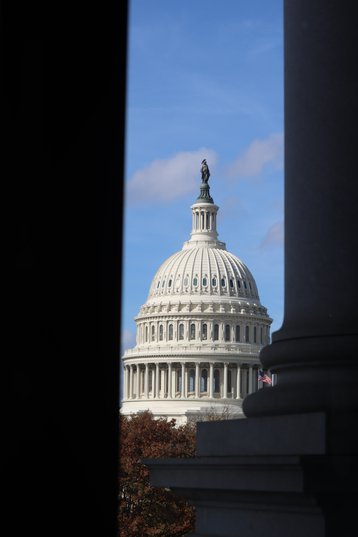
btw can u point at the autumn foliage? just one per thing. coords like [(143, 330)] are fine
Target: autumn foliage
[(146, 511)]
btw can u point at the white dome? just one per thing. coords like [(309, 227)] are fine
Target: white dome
[(200, 331), (206, 271)]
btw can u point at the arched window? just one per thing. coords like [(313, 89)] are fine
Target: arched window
[(205, 282), (170, 335), (146, 333), (216, 381), (169, 283), (237, 333), (160, 332), (192, 331), (223, 282), (231, 283), (245, 285), (216, 332), (227, 332), (191, 380), (205, 331), (247, 334), (195, 281), (255, 334), (238, 284), (204, 381), (214, 282), (153, 332), (181, 331)]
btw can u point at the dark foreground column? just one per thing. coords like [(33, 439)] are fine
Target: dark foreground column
[(291, 468), (314, 354)]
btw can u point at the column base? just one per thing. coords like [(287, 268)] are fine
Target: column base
[(271, 476)]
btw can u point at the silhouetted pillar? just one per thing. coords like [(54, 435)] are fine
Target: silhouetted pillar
[(314, 352)]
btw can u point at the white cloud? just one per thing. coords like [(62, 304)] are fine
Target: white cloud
[(257, 156), (164, 180), (274, 236)]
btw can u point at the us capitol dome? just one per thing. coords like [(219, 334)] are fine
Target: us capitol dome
[(200, 331)]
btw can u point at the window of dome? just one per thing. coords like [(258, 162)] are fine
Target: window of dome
[(231, 283), (214, 282), (247, 334), (146, 333), (163, 282), (216, 332), (153, 332), (238, 284), (261, 340), (250, 286), (186, 281), (181, 331), (170, 336), (158, 284), (205, 331), (255, 334), (195, 281), (245, 285), (205, 282), (192, 331), (223, 282), (227, 332), (169, 283), (237, 333), (160, 332)]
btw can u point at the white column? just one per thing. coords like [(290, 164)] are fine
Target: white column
[(131, 381), (183, 380), (225, 381), (170, 380), (238, 382), (138, 382), (125, 382), (197, 379), (211, 380), (250, 380), (157, 381), (146, 381)]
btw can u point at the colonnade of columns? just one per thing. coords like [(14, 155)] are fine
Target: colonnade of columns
[(189, 380)]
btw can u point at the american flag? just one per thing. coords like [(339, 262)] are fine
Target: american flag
[(262, 377)]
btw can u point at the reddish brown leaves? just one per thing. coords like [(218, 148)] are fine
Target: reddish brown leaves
[(146, 511)]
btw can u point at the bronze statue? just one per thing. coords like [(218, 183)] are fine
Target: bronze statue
[(205, 173)]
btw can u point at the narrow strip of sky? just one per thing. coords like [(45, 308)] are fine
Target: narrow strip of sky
[(205, 80)]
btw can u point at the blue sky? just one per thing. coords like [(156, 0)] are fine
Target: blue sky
[(205, 80)]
